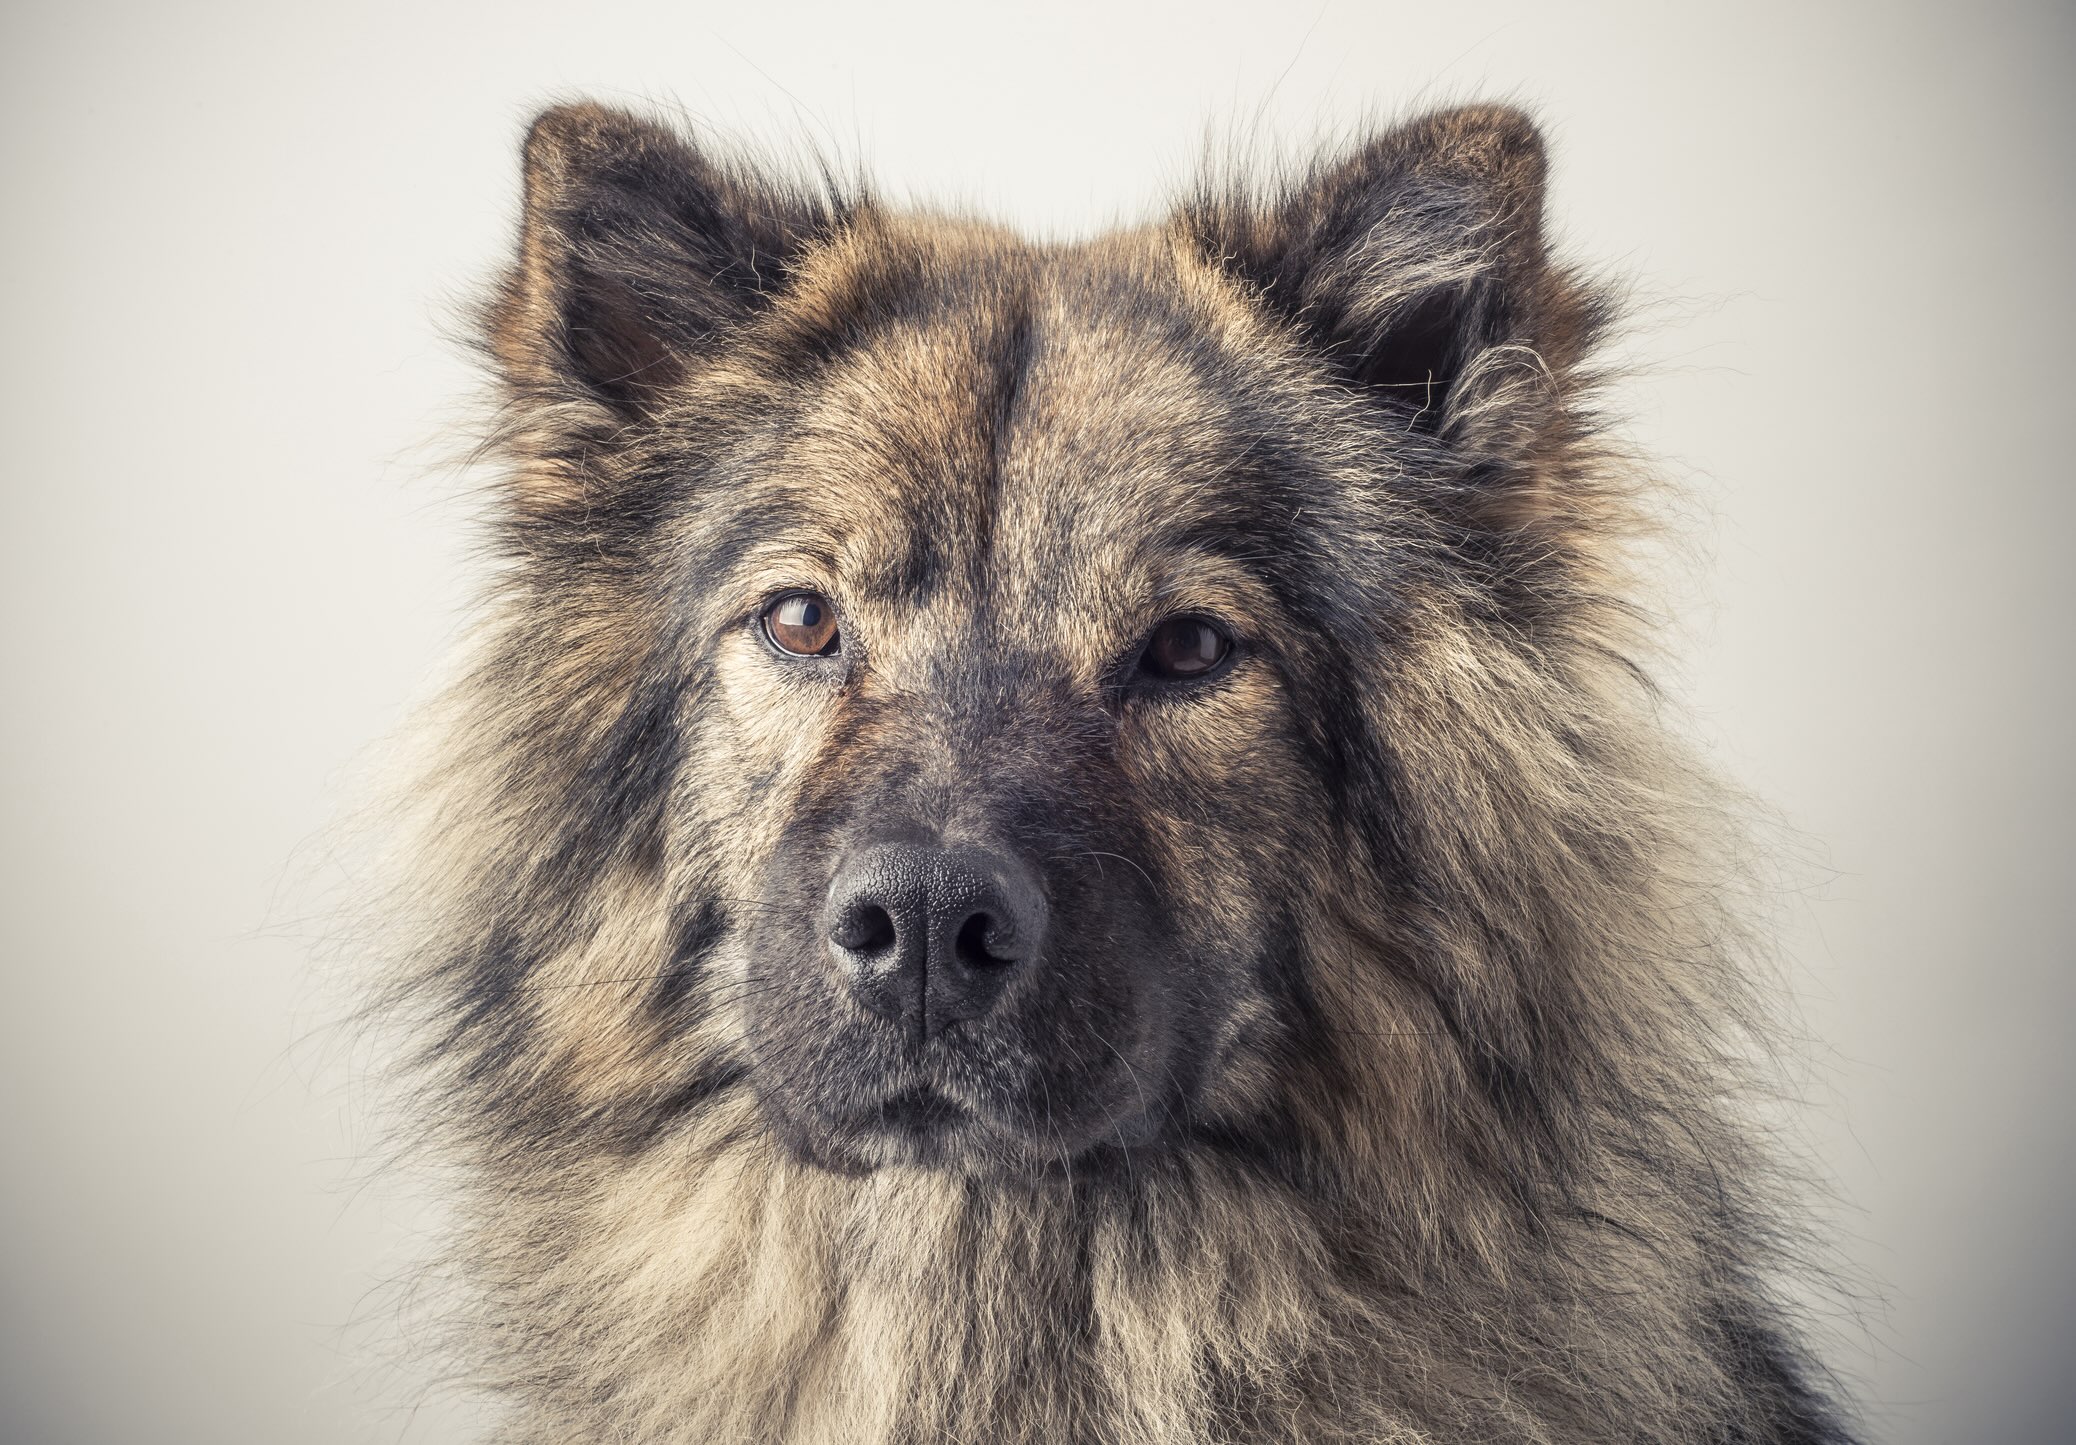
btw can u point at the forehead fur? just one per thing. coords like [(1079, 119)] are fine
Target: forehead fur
[(1103, 428)]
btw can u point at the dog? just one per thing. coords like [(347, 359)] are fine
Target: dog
[(1069, 842)]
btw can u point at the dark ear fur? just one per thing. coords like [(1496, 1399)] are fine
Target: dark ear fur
[(1416, 266), (635, 251)]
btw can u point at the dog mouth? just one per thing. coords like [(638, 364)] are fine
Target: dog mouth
[(918, 1126), (927, 1126), (919, 1114)]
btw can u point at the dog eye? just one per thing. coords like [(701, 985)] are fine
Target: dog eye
[(803, 624), (1185, 647)]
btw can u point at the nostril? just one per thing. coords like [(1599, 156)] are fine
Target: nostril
[(932, 936), (982, 943), (864, 928)]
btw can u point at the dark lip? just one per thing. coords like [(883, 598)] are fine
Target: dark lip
[(922, 1127), (915, 1113)]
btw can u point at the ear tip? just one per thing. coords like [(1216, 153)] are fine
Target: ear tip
[(1492, 137), (562, 137), (1493, 118)]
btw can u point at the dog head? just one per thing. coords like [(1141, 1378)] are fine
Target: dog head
[(956, 690)]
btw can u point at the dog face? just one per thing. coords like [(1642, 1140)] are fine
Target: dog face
[(969, 651), (1001, 711)]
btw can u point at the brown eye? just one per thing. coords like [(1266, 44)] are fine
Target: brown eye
[(802, 623), (1185, 647)]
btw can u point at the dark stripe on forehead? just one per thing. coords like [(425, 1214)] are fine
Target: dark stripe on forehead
[(936, 505), (1013, 345)]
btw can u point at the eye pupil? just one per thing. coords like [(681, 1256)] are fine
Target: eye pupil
[(802, 623), (1185, 647)]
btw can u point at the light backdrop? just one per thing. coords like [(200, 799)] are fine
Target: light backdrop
[(235, 236)]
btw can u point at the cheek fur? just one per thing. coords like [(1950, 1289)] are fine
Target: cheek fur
[(1213, 777), (764, 743)]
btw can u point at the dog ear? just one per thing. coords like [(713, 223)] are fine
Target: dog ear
[(636, 252), (1416, 267)]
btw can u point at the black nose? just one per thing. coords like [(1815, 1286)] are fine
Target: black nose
[(931, 935)]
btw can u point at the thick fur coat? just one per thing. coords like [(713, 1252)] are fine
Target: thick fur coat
[(1379, 1076)]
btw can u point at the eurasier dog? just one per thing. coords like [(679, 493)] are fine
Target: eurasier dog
[(1063, 842)]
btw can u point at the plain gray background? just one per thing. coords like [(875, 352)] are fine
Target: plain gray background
[(235, 234)]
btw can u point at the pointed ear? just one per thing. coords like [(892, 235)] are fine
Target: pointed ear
[(636, 253), (1416, 267)]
